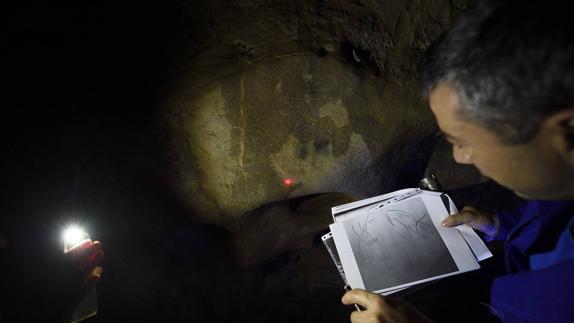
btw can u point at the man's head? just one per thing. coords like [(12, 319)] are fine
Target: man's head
[(501, 85)]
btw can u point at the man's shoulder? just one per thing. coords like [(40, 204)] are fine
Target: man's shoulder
[(563, 249)]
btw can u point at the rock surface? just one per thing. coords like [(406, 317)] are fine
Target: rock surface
[(272, 100)]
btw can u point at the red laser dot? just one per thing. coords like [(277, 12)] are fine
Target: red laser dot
[(288, 182)]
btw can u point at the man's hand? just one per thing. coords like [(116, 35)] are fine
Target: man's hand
[(483, 222), (78, 272), (85, 261), (382, 309)]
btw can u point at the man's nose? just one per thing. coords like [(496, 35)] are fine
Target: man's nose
[(461, 155)]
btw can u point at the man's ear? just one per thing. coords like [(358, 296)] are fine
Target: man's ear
[(562, 124)]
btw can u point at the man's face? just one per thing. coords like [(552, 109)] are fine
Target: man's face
[(534, 170)]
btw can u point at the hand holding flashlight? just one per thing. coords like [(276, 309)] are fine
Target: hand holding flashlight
[(86, 258), (85, 255), (83, 258)]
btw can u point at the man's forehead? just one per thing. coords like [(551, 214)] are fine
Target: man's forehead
[(444, 104)]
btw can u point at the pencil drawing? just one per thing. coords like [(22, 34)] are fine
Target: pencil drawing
[(397, 244)]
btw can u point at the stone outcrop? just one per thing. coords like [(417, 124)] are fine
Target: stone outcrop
[(274, 100)]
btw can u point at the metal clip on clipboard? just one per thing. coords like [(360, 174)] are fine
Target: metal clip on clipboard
[(398, 198)]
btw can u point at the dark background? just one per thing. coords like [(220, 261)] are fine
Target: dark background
[(81, 83)]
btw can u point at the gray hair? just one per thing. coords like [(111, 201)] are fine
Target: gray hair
[(511, 64)]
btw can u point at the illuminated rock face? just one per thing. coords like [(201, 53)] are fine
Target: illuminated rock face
[(272, 100)]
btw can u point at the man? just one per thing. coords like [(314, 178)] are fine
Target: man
[(501, 86)]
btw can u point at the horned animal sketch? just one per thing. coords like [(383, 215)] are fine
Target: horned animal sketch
[(398, 244)]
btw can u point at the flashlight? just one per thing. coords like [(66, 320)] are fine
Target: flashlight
[(73, 237)]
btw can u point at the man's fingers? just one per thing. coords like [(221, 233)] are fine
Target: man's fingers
[(360, 316), (87, 255), (360, 297), (84, 260), (458, 219), (475, 219), (94, 259), (93, 277), (94, 247), (95, 255), (98, 271), (355, 296), (81, 248), (85, 248)]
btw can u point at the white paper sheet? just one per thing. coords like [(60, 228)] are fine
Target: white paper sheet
[(478, 247), (376, 240), (475, 243)]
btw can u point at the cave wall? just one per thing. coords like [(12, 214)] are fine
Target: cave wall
[(322, 93)]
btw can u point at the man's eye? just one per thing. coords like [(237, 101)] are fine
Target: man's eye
[(454, 143), (458, 145)]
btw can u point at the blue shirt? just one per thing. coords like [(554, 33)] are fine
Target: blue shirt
[(539, 256)]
